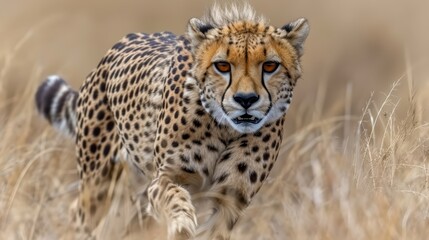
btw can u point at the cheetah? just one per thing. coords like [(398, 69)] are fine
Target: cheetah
[(200, 113)]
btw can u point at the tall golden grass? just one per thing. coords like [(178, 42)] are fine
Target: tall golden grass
[(353, 164)]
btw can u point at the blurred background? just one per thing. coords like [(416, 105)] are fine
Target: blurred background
[(362, 43), (354, 161)]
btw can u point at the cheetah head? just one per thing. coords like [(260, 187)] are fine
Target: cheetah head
[(246, 69)]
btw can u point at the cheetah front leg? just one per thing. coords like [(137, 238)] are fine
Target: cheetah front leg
[(172, 203), (238, 176)]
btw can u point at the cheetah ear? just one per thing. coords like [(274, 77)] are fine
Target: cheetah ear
[(197, 30), (296, 33)]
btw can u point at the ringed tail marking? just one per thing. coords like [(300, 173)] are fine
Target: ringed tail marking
[(56, 101)]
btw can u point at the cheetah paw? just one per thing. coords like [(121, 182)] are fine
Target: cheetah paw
[(183, 226)]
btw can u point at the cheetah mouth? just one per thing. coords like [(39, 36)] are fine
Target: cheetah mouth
[(246, 118)]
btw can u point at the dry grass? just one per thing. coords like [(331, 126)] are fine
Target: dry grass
[(354, 162)]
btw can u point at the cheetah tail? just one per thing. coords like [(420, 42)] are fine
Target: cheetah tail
[(56, 101)]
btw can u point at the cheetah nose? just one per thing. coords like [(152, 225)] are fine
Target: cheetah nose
[(246, 99)]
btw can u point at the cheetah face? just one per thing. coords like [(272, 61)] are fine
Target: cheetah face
[(247, 70)]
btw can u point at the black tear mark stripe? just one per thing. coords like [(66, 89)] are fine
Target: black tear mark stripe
[(227, 87), (266, 89)]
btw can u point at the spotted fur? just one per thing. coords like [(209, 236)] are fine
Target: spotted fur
[(189, 128)]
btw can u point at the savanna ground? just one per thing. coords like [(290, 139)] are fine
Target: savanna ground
[(354, 162)]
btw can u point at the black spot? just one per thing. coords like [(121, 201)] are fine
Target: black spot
[(171, 100), (257, 134), (189, 87), (95, 94), (266, 156), (253, 177), (92, 166), (93, 148), (132, 36), (96, 131), (90, 113), (196, 123), (255, 149), (273, 144), (200, 112), (212, 148), (118, 46), (163, 143), (167, 119), (188, 170), (225, 157), (184, 159), (124, 84), (262, 178), (86, 131), (222, 178), (101, 196), (266, 138), (242, 167), (185, 136), (106, 150), (206, 171), (110, 126), (241, 198), (197, 157), (100, 115), (187, 100)]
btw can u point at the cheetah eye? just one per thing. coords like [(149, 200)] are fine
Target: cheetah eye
[(222, 67), (270, 66)]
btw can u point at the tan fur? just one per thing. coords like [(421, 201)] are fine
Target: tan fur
[(159, 99)]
